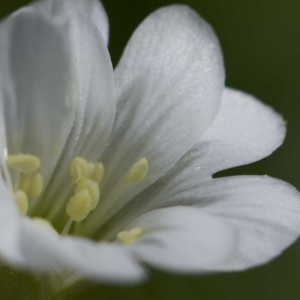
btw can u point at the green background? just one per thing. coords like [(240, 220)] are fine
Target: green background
[(261, 44)]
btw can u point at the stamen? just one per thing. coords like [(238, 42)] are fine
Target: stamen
[(24, 163), (44, 223), (22, 202), (93, 189), (130, 236), (137, 172), (86, 177), (32, 185), (98, 172), (67, 227), (80, 169), (90, 169), (79, 206)]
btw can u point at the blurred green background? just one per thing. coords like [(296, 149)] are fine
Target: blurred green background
[(261, 44)]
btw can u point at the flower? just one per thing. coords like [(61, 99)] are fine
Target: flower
[(103, 171)]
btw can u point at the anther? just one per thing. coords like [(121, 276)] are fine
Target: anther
[(32, 185), (24, 163), (22, 202), (137, 172), (98, 172), (79, 206), (92, 187), (130, 236), (80, 169), (90, 169), (44, 224)]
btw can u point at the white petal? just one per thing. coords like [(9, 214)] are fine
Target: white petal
[(91, 131), (183, 239), (244, 131), (36, 86), (9, 227), (181, 186), (9, 216), (58, 90), (170, 78), (92, 9), (45, 250), (239, 222)]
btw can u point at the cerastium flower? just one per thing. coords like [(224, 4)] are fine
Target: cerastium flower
[(104, 170)]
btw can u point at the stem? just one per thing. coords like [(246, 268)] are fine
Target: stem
[(67, 227)]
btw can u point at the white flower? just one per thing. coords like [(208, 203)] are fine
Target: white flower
[(121, 162)]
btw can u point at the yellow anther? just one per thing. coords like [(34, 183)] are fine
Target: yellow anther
[(24, 163), (138, 171), (98, 172), (79, 206), (80, 169), (90, 170), (44, 224), (92, 187), (22, 202), (32, 184), (130, 236)]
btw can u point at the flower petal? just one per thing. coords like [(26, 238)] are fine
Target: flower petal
[(9, 227), (244, 131), (182, 239), (236, 223), (36, 86), (58, 91), (96, 112), (170, 81), (9, 216), (45, 250), (91, 9)]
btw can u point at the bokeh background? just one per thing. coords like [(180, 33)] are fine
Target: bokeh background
[(261, 44)]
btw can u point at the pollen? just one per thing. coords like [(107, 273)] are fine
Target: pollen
[(137, 172), (92, 187), (86, 177), (130, 236), (80, 168), (22, 202), (79, 206), (32, 185), (24, 163)]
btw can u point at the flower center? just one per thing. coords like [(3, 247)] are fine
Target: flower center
[(86, 178)]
